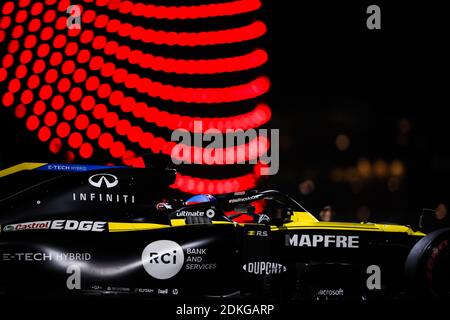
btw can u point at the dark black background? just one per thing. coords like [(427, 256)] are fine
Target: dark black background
[(331, 75)]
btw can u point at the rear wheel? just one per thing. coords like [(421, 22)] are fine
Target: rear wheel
[(428, 265)]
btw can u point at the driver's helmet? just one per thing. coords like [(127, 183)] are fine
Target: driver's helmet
[(200, 198)]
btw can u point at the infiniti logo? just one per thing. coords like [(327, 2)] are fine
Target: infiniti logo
[(103, 179)]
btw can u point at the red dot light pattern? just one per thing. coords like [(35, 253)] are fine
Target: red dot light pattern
[(61, 84), (252, 60), (251, 31), (138, 9)]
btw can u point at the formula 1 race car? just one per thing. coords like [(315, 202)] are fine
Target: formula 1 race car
[(104, 230)]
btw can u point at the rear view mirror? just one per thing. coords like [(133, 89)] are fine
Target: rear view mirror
[(432, 219), (425, 218)]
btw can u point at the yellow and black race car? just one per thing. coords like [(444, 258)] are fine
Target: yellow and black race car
[(97, 230)]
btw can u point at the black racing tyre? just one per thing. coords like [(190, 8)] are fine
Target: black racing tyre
[(427, 267)]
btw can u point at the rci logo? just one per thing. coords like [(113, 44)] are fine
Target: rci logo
[(106, 179), (163, 259)]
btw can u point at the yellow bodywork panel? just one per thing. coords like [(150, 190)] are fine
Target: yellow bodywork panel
[(178, 222), (300, 221), (305, 220), (21, 167), (139, 226), (303, 217), (125, 226)]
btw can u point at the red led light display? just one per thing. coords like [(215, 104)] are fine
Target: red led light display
[(190, 184), (139, 9), (81, 91), (249, 32), (252, 60)]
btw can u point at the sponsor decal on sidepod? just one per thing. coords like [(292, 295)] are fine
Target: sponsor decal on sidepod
[(163, 259), (35, 225), (264, 268), (96, 226), (103, 181), (186, 213), (330, 292), (324, 241)]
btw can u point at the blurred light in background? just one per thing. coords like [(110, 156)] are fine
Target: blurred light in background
[(306, 187), (364, 168), (342, 142), (365, 172), (441, 211), (397, 168), (380, 168)]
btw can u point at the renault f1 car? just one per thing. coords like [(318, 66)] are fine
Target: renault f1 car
[(101, 230)]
